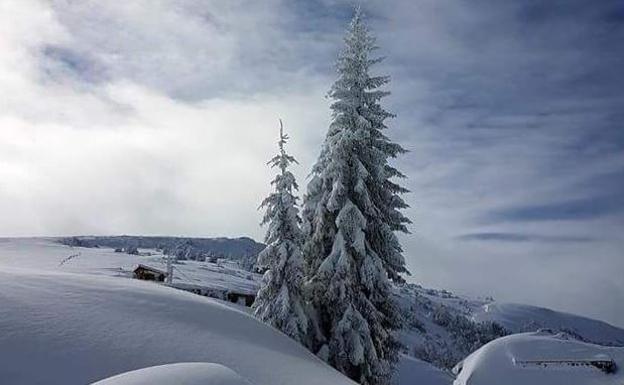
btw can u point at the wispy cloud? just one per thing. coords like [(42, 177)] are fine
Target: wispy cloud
[(517, 237), (58, 62), (577, 209)]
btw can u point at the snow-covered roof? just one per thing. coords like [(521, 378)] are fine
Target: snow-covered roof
[(542, 358), (150, 268)]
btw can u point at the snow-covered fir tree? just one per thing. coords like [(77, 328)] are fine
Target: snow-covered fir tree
[(280, 301), (351, 213)]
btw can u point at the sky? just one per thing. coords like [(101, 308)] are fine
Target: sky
[(157, 117)]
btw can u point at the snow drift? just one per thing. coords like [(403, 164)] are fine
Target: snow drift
[(188, 373), (74, 320), (61, 328), (542, 358), (412, 371), (82, 320)]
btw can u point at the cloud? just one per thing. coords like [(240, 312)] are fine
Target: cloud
[(157, 117), (194, 50), (516, 237), (60, 62), (165, 168), (578, 209), (511, 112), (90, 131)]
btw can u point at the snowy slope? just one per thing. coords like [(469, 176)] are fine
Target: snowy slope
[(540, 359), (439, 328), (444, 327), (83, 320), (47, 254), (412, 371), (188, 373), (61, 328), (520, 318)]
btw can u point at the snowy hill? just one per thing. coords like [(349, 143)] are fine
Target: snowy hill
[(89, 289), (80, 319), (444, 327), (522, 318), (188, 373), (62, 328), (412, 371), (542, 358), (48, 254)]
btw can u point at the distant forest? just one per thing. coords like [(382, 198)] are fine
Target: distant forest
[(244, 249)]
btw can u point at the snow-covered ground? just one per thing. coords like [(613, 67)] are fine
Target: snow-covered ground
[(185, 373), (73, 315), (541, 358), (67, 328), (521, 318), (47, 254), (412, 371), (84, 320), (445, 327)]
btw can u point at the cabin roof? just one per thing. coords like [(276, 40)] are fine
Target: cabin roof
[(141, 266)]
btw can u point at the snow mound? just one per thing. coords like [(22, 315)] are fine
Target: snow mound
[(189, 373), (63, 328), (542, 358), (442, 327), (411, 371), (82, 320)]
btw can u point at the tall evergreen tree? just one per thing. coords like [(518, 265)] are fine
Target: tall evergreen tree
[(351, 213), (280, 301)]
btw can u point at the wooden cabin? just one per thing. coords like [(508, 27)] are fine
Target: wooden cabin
[(148, 273), (243, 299)]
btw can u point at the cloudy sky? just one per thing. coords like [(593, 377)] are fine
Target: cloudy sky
[(158, 116)]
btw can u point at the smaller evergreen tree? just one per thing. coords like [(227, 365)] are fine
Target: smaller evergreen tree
[(280, 301)]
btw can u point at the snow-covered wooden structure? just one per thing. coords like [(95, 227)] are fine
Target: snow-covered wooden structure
[(231, 295), (220, 281), (541, 358), (606, 365), (148, 273)]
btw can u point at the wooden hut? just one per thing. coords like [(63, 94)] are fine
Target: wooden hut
[(149, 273)]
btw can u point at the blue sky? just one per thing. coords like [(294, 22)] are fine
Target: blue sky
[(157, 117)]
